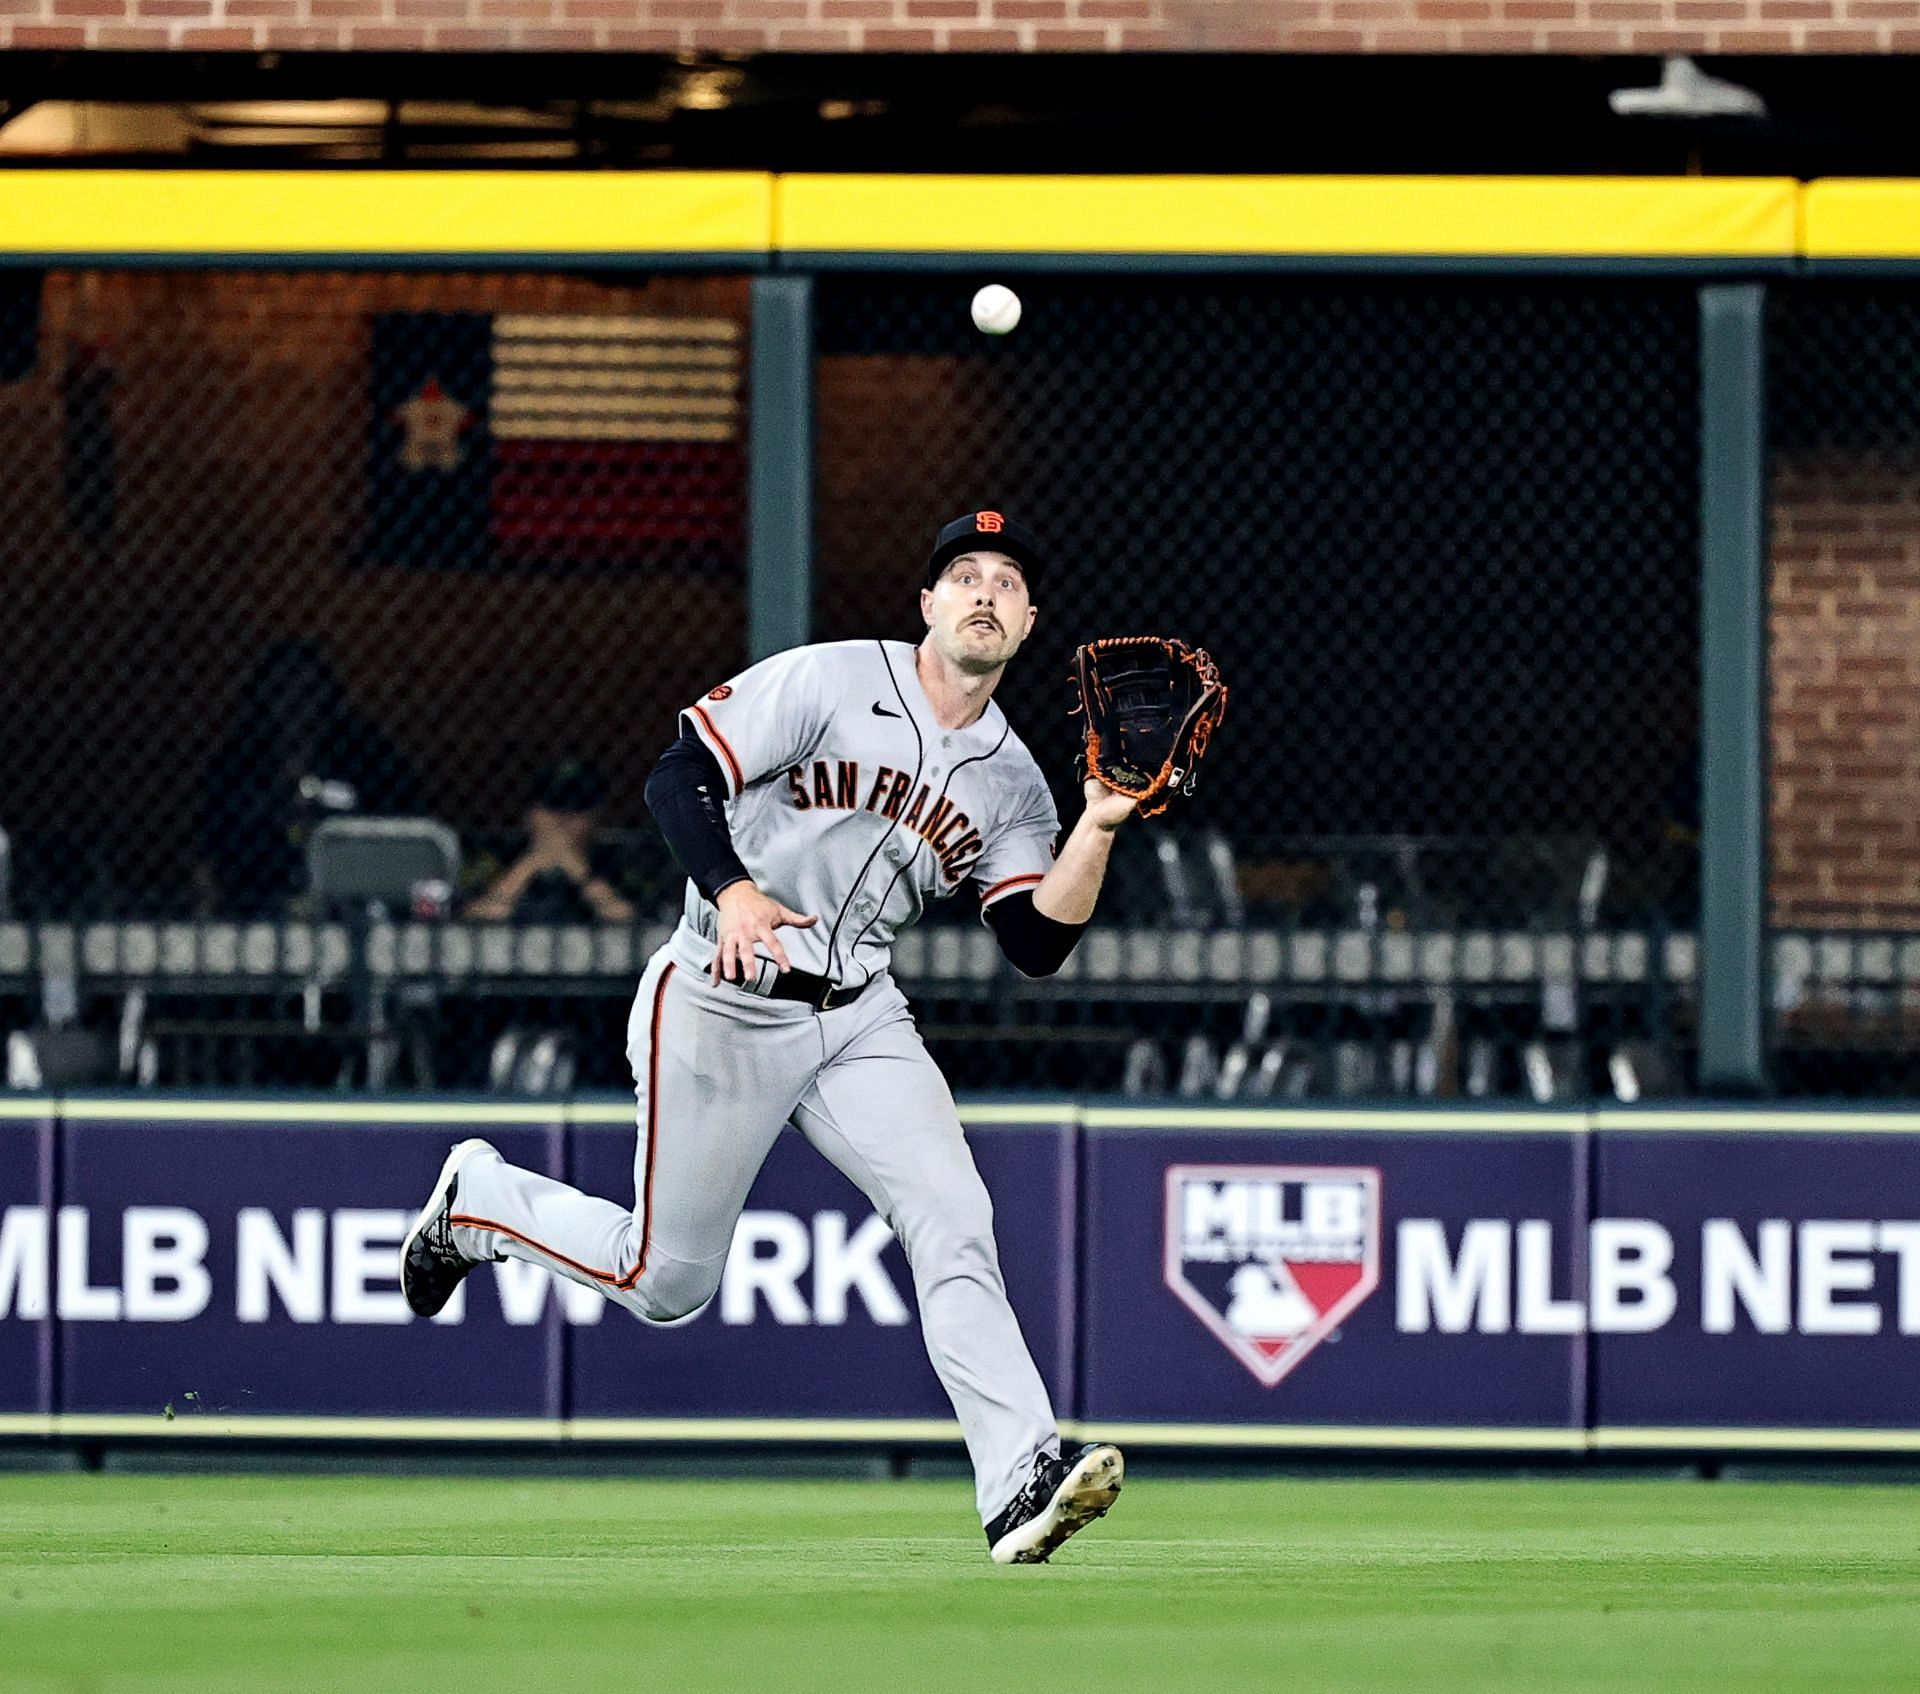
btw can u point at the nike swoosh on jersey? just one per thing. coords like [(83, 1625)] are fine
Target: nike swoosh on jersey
[(880, 711)]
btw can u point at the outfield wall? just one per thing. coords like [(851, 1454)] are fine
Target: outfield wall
[(1698, 1280)]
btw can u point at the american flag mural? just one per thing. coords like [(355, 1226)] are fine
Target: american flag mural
[(556, 440)]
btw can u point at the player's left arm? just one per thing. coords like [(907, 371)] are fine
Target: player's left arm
[(1037, 937), (1068, 893)]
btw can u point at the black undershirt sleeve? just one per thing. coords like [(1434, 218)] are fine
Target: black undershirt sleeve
[(1035, 944), (686, 794)]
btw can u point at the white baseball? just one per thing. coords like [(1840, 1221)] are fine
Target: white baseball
[(996, 309)]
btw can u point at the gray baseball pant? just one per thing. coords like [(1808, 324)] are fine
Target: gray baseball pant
[(717, 1073)]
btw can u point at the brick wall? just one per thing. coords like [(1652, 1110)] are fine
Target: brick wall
[(1846, 691), (976, 26)]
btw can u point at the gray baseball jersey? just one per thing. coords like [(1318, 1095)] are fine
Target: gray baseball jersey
[(847, 800)]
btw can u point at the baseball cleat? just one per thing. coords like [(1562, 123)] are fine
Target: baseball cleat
[(431, 1267), (1061, 1498)]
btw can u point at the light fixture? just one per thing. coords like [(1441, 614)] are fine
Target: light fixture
[(1686, 91)]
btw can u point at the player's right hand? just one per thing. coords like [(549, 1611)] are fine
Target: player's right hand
[(748, 917)]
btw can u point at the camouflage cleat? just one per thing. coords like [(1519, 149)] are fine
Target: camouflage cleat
[(1061, 1498), (431, 1267)]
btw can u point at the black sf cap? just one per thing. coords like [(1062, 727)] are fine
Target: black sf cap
[(985, 532)]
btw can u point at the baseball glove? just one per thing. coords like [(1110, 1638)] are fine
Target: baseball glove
[(1148, 706)]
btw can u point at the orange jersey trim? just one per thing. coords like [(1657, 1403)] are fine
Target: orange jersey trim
[(1010, 885), (467, 1221), (720, 741)]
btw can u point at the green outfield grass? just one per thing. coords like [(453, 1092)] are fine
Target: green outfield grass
[(218, 1584)]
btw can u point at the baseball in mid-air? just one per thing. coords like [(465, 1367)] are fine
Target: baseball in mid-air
[(996, 309)]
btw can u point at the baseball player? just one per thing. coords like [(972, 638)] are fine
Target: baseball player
[(817, 802)]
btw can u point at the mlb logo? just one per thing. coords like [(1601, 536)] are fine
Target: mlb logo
[(1271, 1258)]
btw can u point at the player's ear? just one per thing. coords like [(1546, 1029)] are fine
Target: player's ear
[(926, 607), (1032, 613)]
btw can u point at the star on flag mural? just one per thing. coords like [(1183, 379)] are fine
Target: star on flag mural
[(555, 440)]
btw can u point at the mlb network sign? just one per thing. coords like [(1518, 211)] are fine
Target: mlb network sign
[(1273, 1258), (341, 1266)]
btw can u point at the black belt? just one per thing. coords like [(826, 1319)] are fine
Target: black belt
[(822, 993)]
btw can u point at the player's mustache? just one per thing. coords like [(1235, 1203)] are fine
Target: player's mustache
[(986, 618)]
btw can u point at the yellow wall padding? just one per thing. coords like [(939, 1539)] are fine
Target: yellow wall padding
[(1503, 217), (397, 213), (1847, 219)]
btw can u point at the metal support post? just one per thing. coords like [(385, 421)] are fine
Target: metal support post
[(780, 466), (1733, 685)]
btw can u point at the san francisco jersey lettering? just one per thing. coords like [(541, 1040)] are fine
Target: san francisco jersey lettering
[(846, 799)]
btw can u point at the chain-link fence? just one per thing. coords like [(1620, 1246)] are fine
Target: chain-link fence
[(291, 553), (1442, 537), (283, 547), (288, 553), (1844, 413)]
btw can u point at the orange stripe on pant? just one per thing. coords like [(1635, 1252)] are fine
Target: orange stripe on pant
[(466, 1221), (653, 1119)]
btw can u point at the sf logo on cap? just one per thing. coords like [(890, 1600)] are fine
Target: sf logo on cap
[(989, 523)]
